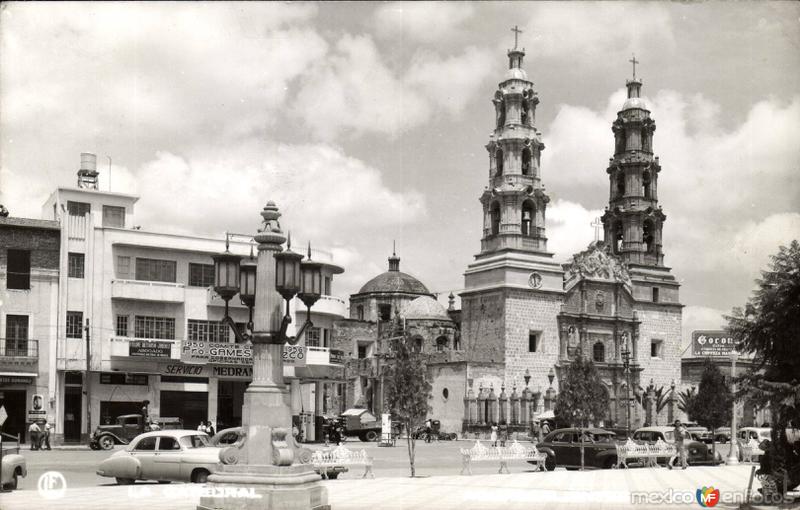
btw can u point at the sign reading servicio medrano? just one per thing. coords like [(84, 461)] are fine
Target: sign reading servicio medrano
[(712, 343), (194, 351)]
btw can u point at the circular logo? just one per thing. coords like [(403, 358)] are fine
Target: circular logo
[(52, 485), (535, 280)]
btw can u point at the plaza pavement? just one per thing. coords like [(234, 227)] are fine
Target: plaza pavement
[(600, 489)]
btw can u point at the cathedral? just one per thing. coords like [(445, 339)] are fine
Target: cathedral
[(524, 316)]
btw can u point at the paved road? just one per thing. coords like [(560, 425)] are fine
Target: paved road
[(442, 458)]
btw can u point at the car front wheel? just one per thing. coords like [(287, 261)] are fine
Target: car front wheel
[(550, 463), (106, 442), (371, 435), (125, 481), (14, 483)]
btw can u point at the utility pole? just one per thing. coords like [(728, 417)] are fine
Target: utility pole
[(87, 330)]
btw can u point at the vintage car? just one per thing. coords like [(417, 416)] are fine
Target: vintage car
[(165, 456), (13, 465), (698, 452), (127, 427), (231, 436), (563, 448)]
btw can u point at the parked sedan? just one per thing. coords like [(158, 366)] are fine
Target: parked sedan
[(13, 466), (698, 452), (563, 448), (166, 456)]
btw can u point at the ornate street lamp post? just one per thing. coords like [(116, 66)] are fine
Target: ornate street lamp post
[(267, 468), (626, 369)]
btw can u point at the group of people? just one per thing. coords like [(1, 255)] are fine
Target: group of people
[(40, 435), (207, 427), (499, 433)]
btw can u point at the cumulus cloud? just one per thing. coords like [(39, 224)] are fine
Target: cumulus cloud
[(421, 21), (322, 192), (355, 90), (581, 29), (569, 229)]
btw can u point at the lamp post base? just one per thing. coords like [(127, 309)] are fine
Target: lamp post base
[(251, 487)]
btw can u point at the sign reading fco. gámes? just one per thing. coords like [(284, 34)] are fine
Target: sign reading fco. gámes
[(220, 353), (712, 343)]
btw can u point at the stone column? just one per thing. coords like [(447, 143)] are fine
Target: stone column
[(296, 399), (525, 407), (514, 407), (563, 354), (503, 405)]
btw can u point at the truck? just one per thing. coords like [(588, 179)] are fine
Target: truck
[(360, 423), (127, 427)]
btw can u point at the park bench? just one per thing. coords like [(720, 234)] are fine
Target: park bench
[(648, 454), (501, 454), (329, 459), (751, 449)]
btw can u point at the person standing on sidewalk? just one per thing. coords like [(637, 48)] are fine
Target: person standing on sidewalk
[(503, 433), (44, 442), (493, 436), (681, 436), (34, 432)]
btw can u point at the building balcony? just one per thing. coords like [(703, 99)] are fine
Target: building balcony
[(326, 305), (16, 354), (324, 356), (138, 290), (145, 349)]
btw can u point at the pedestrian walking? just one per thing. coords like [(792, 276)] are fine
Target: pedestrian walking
[(202, 427), (34, 431), (681, 437), (493, 436), (210, 428), (45, 439), (503, 433), (145, 411), (428, 429)]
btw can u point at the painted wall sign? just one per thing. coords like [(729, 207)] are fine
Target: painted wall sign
[(149, 349), (712, 343), (295, 355), (216, 353)]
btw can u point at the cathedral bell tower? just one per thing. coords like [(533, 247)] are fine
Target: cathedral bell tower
[(514, 202), (633, 220)]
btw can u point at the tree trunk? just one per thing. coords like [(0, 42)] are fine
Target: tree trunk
[(411, 443), (714, 445), (580, 438)]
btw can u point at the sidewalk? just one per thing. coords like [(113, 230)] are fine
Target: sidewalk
[(602, 489)]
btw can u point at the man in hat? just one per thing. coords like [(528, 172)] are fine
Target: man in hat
[(681, 436)]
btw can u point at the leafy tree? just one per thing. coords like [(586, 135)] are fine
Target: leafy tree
[(407, 388), (582, 398), (711, 407), (769, 327), (685, 398)]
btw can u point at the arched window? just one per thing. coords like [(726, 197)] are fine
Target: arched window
[(528, 215), (441, 344), (618, 236), (648, 236), (646, 191), (599, 352), (524, 113), (494, 214), (621, 184), (526, 161), (498, 161)]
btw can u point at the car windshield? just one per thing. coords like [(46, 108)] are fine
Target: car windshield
[(669, 435), (195, 441)]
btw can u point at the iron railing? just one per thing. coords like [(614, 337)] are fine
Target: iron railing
[(19, 348)]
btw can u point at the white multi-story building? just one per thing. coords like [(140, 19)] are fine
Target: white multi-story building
[(142, 296)]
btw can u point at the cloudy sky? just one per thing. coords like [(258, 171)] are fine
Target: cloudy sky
[(366, 122)]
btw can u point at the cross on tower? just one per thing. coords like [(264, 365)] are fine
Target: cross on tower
[(596, 224), (516, 31), (634, 62)]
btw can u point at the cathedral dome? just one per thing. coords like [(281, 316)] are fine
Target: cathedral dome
[(424, 307), (634, 102), (394, 281)]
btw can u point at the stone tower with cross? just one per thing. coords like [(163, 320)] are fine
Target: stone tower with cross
[(633, 224), (513, 289)]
